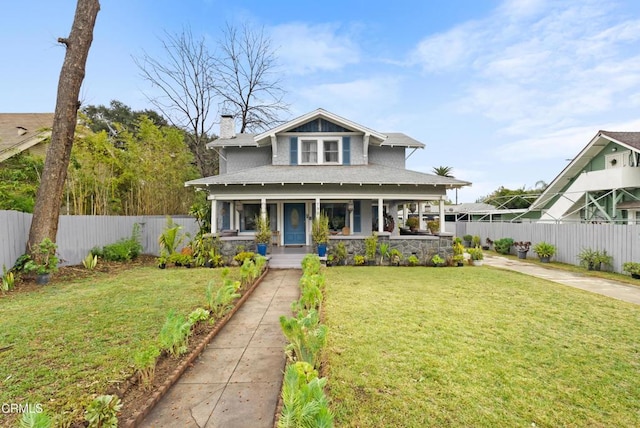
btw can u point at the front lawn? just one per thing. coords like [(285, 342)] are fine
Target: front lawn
[(477, 347), (68, 341)]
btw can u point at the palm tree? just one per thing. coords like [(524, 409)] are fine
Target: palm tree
[(445, 171)]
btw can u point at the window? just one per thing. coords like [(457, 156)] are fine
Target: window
[(331, 152), (320, 151), (309, 151)]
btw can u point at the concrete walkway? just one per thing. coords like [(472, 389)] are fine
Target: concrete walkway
[(236, 381), (615, 289)]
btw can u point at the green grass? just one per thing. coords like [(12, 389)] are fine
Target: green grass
[(74, 340), (477, 347)]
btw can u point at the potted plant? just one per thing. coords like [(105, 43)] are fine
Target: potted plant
[(263, 233), (412, 223), (593, 259), (632, 268), (544, 250), (43, 261), (522, 248), (320, 233), (384, 252), (395, 256), (488, 244), (476, 256), (603, 260), (370, 248), (475, 241), (162, 261), (467, 240), (503, 245)]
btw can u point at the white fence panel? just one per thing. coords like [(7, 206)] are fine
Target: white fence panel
[(622, 242), (14, 231)]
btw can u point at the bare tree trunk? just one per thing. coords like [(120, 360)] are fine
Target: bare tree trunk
[(48, 199)]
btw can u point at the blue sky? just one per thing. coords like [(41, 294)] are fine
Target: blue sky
[(502, 91)]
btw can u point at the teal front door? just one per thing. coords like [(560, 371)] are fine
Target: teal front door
[(294, 224)]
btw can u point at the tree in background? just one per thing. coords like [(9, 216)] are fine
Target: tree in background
[(443, 171), (44, 223), (504, 198), (103, 118), (246, 79), (184, 78), (19, 179)]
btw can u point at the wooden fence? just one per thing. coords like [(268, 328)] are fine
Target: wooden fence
[(77, 235), (620, 241)]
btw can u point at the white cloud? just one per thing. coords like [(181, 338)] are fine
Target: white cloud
[(306, 48)]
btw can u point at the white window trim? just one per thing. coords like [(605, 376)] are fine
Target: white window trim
[(320, 147)]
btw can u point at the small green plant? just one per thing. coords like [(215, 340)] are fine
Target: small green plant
[(198, 315), (412, 223), (544, 249), (8, 279), (90, 262), (413, 260), (220, 300), (43, 259), (476, 253), (174, 335), (370, 247), (311, 264), (594, 259), (437, 260), (320, 229), (306, 336), (395, 256), (502, 246), (242, 256), (467, 239), (263, 229), (171, 238), (475, 241), (32, 419), (358, 260), (433, 226), (384, 251), (102, 412), (144, 361), (632, 268), (304, 403)]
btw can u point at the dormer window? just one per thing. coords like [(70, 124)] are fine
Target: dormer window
[(314, 151)]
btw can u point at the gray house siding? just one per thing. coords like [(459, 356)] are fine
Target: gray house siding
[(388, 156), (283, 153), (239, 158), (222, 160)]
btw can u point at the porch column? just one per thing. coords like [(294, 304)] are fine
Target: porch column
[(317, 207), (232, 215), (441, 206), (214, 215), (263, 208), (422, 224), (404, 215), (380, 215)]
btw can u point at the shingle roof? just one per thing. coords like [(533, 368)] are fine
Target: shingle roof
[(16, 128), (327, 174), (248, 140), (630, 138)]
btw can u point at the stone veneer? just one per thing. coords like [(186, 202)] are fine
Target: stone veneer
[(423, 246)]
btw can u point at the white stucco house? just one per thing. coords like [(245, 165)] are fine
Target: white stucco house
[(316, 162), (601, 184)]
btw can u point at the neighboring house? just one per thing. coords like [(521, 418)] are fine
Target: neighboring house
[(316, 162), (21, 132), (601, 184)]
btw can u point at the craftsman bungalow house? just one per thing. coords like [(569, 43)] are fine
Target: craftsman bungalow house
[(316, 162)]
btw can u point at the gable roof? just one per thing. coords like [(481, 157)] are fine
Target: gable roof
[(328, 174), (631, 140), (255, 140), (20, 131)]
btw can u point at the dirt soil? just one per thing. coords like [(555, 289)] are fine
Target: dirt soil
[(132, 393)]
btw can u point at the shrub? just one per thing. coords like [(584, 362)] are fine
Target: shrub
[(371, 246), (102, 411), (413, 260), (358, 260), (503, 246), (124, 250), (311, 264), (544, 249), (242, 256), (412, 223), (198, 315), (632, 268)]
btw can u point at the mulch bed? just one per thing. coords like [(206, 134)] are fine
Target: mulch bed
[(137, 400)]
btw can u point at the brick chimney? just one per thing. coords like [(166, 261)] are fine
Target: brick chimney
[(227, 126)]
